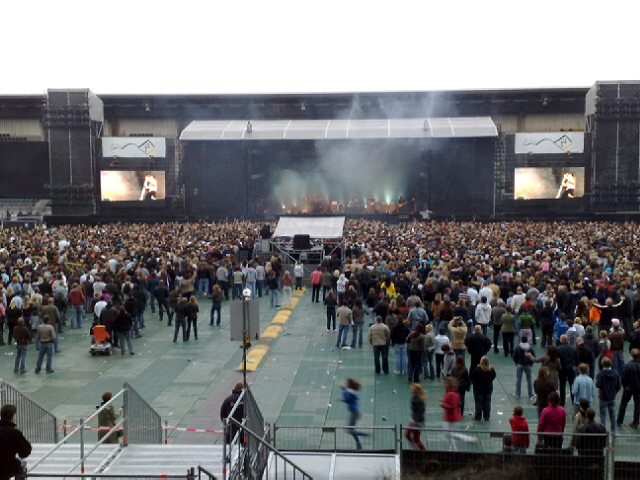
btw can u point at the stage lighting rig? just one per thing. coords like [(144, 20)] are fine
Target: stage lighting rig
[(249, 127)]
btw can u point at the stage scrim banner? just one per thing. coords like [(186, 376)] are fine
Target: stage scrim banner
[(549, 142), (133, 147)]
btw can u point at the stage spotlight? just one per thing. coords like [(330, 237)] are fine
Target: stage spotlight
[(545, 101), (303, 106), (426, 125), (249, 127), (147, 108)]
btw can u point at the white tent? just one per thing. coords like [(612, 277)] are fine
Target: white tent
[(315, 227)]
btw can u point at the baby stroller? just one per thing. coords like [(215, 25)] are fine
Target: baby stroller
[(100, 341)]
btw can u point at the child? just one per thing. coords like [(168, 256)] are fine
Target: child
[(417, 416), (352, 399), (449, 361), (519, 424)]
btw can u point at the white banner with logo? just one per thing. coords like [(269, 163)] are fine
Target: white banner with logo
[(133, 147), (550, 142)]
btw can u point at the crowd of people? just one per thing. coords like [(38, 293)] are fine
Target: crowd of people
[(443, 295)]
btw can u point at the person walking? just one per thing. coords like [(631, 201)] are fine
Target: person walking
[(427, 357), (14, 447), (298, 274), (316, 282), (47, 336), (123, 326), (608, 385), (450, 404), (418, 399), (630, 380), (478, 345), (77, 300), (496, 318), (523, 364), (233, 403), (583, 387), (398, 335), (441, 340), (192, 317), (351, 397), (272, 283), (161, 294), (216, 306), (519, 424), (22, 336), (379, 337)]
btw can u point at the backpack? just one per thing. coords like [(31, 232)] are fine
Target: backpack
[(607, 353)]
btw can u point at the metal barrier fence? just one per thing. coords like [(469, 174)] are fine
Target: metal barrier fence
[(334, 438), (143, 425), (35, 422), (255, 464)]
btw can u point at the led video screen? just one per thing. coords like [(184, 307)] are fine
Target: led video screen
[(548, 183), (132, 186)]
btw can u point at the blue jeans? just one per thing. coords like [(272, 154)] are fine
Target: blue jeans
[(381, 351), (459, 352), (610, 407), (122, 337), (342, 330), (356, 434), (331, 319), (45, 349), (21, 358), (618, 361), (357, 334), (400, 350), (259, 287), (237, 291), (527, 370), (274, 297), (215, 308), (252, 286), (427, 365), (203, 286), (76, 320)]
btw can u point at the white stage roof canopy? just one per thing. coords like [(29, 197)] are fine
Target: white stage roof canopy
[(315, 227), (455, 127)]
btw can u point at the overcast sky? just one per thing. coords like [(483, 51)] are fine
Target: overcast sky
[(247, 46)]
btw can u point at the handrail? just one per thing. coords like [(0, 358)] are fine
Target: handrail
[(100, 442), (75, 430), (269, 447), (201, 469)]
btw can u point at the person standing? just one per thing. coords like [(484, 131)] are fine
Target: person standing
[(331, 303), (508, 331), (222, 277), (379, 337), (358, 313), (351, 397), (298, 273), (458, 331), (552, 422), (14, 447), (519, 424), (608, 385), (174, 299), (316, 283), (461, 374), (251, 277), (568, 360), (181, 320), (483, 315), (272, 283), (216, 305), (77, 300), (22, 336), (583, 387), (415, 348), (344, 322), (51, 311), (123, 326), (47, 337), (482, 378), (478, 345), (107, 420), (427, 357), (496, 318), (161, 294), (543, 386), (441, 340), (616, 337), (287, 289), (592, 438), (229, 405), (630, 380), (523, 364), (418, 398), (192, 317), (261, 276)]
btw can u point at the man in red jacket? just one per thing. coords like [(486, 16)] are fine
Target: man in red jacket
[(77, 299)]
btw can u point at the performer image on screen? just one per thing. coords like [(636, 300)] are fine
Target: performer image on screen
[(567, 186), (149, 188)]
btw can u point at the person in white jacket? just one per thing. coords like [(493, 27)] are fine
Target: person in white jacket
[(483, 314)]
